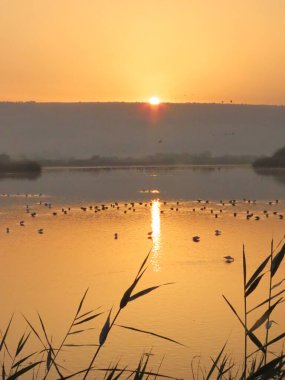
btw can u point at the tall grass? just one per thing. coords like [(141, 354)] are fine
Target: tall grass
[(260, 363), (260, 367)]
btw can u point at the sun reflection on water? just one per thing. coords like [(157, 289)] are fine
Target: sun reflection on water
[(155, 227)]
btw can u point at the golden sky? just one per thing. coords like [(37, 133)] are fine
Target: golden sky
[(130, 50)]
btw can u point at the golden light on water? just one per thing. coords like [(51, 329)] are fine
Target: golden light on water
[(152, 191), (155, 227)]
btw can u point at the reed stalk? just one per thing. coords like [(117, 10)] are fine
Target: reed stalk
[(245, 312), (269, 302), (101, 345)]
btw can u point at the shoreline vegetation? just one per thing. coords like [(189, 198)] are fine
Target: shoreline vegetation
[(277, 160), (159, 159), (8, 166), (25, 167), (258, 362)]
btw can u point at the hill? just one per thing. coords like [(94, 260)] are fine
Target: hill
[(82, 130)]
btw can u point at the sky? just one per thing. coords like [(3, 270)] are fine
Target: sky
[(130, 50)]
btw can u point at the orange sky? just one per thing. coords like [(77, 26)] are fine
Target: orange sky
[(129, 50)]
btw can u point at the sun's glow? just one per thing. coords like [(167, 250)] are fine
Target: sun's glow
[(154, 101)]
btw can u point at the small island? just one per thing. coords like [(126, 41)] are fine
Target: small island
[(277, 160), (18, 167)]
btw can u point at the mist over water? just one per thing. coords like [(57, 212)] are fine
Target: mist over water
[(60, 130)]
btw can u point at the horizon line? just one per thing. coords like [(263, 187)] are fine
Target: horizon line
[(142, 102)]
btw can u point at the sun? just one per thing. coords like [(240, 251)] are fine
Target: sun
[(154, 101)]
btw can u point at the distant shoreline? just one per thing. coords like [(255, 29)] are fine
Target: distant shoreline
[(155, 160), (268, 163), (276, 161), (225, 103), (174, 166), (19, 167)]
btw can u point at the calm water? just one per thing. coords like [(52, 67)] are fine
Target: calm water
[(184, 183), (49, 272)]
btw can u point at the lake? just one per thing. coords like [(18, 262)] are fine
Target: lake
[(48, 272)]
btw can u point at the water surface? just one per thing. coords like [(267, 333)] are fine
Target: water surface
[(49, 272)]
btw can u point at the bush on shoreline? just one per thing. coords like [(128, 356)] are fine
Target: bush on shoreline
[(10, 166), (277, 160)]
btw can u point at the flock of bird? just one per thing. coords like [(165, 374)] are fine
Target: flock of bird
[(202, 206)]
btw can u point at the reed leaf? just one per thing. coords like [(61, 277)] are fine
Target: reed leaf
[(143, 370), (148, 290), (49, 359), (129, 371), (253, 366), (264, 316), (22, 343), (76, 373), (5, 334), (80, 345), (266, 371), (17, 374), (151, 333), (76, 332), (112, 375), (19, 362), (50, 349), (253, 285), (87, 319), (105, 330), (252, 337), (35, 331), (80, 331), (3, 372), (19, 343), (233, 309), (143, 263), (221, 369), (266, 301), (256, 341), (278, 284), (276, 339), (160, 364), (126, 296), (120, 373), (87, 313), (43, 328), (215, 362), (138, 370), (244, 264), (257, 272), (277, 260), (279, 337), (106, 373), (81, 302), (227, 370)]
